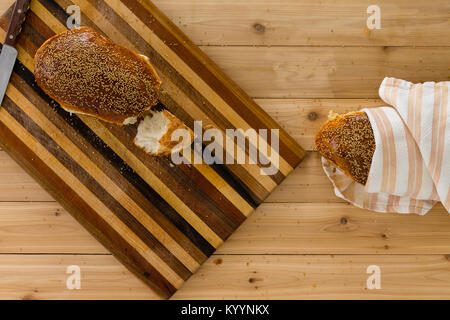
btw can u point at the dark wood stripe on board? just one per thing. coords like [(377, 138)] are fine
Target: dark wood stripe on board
[(30, 30)]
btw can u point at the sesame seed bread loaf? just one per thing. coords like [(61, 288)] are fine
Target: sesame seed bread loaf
[(348, 142), (89, 74)]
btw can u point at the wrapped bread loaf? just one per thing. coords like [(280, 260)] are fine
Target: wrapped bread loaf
[(348, 142)]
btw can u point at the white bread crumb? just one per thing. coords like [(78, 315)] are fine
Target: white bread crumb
[(154, 133)]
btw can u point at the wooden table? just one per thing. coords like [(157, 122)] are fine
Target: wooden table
[(299, 59)]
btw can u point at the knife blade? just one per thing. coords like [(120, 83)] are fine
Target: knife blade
[(8, 55), (7, 60)]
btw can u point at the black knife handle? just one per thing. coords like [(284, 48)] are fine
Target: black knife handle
[(17, 19)]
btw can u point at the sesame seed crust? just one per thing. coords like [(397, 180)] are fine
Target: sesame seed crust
[(348, 142), (89, 74)]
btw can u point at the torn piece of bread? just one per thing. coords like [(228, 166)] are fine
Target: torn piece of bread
[(89, 74), (154, 133), (348, 142)]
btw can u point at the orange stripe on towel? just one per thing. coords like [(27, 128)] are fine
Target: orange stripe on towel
[(373, 201), (441, 132), (385, 150), (411, 146), (392, 151), (447, 200), (417, 135)]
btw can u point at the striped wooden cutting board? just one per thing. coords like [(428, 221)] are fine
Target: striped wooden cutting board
[(161, 220)]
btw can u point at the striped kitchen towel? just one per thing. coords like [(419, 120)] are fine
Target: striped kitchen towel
[(410, 169)]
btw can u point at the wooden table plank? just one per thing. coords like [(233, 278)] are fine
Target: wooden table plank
[(339, 228), (319, 277), (275, 228), (44, 277), (241, 277), (307, 23), (16, 184), (328, 72), (294, 22), (43, 227), (308, 184)]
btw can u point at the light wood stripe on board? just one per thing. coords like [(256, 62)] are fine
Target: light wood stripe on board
[(23, 55), (46, 16)]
